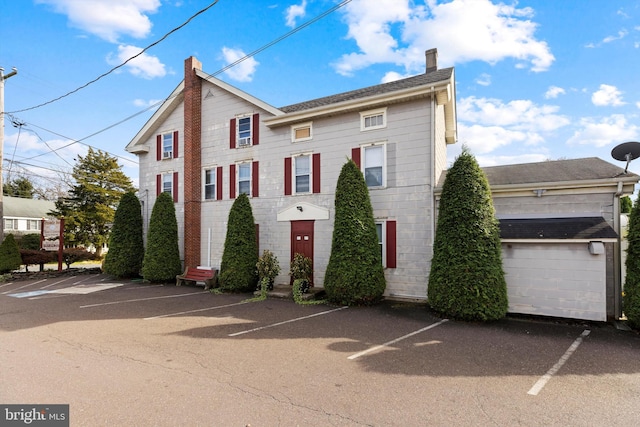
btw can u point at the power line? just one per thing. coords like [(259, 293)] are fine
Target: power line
[(121, 65)]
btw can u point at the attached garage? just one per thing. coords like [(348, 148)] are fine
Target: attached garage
[(558, 266)]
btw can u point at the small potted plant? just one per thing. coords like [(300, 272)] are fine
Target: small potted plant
[(268, 268), (301, 271)]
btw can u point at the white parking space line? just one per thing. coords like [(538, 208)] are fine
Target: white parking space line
[(58, 282), (24, 286), (194, 311), (139, 299), (378, 347), (539, 385), (287, 321)]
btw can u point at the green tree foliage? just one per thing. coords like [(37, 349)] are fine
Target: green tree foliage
[(90, 207), (9, 255), (626, 204), (631, 298), (238, 267), (467, 280), (161, 261), (30, 241), (126, 247), (19, 187), (354, 275)]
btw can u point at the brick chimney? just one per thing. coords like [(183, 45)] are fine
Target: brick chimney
[(192, 161), (432, 60)]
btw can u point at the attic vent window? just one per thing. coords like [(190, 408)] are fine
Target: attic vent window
[(301, 132), (374, 119)]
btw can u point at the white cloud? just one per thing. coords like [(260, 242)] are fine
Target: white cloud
[(108, 19), (484, 79), (608, 130), (518, 114), (607, 96), (243, 71), (486, 161), (145, 66), (553, 92), (144, 103), (398, 31), (295, 11), (621, 34)]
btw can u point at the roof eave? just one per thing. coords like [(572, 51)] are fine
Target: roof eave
[(138, 143), (362, 103)]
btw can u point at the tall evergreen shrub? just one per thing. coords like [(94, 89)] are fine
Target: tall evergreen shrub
[(9, 255), (631, 296), (162, 256), (354, 275), (238, 267), (126, 247), (467, 280), (30, 241)]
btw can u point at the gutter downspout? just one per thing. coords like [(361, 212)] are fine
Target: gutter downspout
[(617, 255), (433, 170)]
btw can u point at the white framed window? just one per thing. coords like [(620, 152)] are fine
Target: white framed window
[(10, 224), (167, 183), (301, 132), (244, 178), (33, 224), (244, 131), (374, 165), (167, 145), (373, 119), (302, 173), (209, 182)]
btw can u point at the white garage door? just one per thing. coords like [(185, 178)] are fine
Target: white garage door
[(555, 279)]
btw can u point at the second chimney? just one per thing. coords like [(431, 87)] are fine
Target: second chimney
[(432, 60)]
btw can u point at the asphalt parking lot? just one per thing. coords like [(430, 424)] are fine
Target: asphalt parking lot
[(135, 354)]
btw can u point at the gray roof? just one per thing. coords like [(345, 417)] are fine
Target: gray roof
[(591, 168), (419, 80), (592, 228), (16, 207)]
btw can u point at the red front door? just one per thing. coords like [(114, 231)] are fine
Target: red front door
[(302, 239)]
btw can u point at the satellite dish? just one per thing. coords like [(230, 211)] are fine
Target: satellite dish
[(626, 152)]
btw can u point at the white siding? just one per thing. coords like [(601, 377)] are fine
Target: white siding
[(560, 280)]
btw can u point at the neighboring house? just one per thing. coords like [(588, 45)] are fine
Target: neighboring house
[(24, 216), (210, 141), (560, 228)]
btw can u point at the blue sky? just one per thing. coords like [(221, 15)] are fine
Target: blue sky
[(536, 79)]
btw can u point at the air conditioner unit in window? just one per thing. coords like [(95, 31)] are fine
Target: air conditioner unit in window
[(244, 141), (167, 154)]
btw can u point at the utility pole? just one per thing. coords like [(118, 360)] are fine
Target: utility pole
[(3, 77)]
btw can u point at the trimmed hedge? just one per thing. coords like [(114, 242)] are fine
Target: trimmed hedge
[(30, 241), (467, 280), (238, 267), (9, 255), (354, 275), (161, 261), (631, 295), (126, 247)]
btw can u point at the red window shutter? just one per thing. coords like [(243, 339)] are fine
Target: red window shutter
[(158, 147), (355, 156), (232, 134), (287, 176), (391, 244), (232, 182), (175, 144), (255, 179), (174, 188), (255, 129), (316, 173), (219, 183), (158, 185)]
